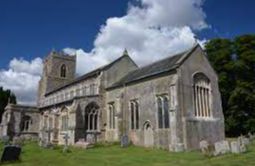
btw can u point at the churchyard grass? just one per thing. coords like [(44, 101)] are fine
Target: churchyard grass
[(114, 155)]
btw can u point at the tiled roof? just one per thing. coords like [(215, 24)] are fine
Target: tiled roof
[(153, 69), (88, 75)]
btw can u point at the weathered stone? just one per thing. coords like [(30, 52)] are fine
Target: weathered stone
[(235, 147), (245, 141), (18, 141), (124, 141), (221, 147), (119, 98), (179, 147), (243, 148), (204, 145)]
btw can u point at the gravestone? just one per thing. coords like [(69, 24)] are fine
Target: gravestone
[(66, 137), (221, 147), (124, 141), (6, 140), (235, 147), (243, 148), (204, 145), (18, 141), (206, 148), (179, 147), (245, 141), (11, 153)]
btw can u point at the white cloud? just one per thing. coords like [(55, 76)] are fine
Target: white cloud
[(150, 31), (22, 78)]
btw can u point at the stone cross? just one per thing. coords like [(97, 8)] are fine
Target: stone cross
[(66, 137)]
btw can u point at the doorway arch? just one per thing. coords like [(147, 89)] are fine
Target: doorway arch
[(148, 134)]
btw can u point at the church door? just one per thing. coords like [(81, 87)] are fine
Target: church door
[(148, 135)]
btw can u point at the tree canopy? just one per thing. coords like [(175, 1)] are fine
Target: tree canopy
[(5, 96), (234, 61)]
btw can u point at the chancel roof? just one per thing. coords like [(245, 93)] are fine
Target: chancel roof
[(162, 66)]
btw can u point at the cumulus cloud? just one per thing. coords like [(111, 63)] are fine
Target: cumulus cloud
[(151, 30), (22, 78)]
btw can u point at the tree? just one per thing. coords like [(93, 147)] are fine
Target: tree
[(5, 96), (234, 61)]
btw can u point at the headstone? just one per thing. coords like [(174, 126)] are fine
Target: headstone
[(6, 140), (235, 147), (204, 145), (250, 136), (245, 141), (66, 137), (124, 141), (179, 147), (243, 148), (205, 148), (221, 147), (11, 153), (18, 141)]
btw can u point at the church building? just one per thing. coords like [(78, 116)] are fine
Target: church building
[(173, 103)]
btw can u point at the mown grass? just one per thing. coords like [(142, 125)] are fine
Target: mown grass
[(114, 155)]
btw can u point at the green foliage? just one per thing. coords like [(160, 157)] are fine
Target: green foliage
[(5, 95), (234, 61)]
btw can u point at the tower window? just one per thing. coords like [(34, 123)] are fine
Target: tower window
[(63, 71)]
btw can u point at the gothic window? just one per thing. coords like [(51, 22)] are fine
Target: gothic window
[(91, 117), (64, 126), (134, 114), (84, 90), (63, 71), (77, 91), (163, 111), (64, 119), (50, 123), (71, 94), (25, 123), (202, 96), (45, 124), (111, 116), (92, 89)]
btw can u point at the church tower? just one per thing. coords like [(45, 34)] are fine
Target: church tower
[(58, 69)]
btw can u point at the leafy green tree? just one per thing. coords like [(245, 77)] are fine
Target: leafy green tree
[(5, 96), (234, 61)]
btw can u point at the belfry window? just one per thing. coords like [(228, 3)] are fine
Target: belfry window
[(63, 71), (163, 111), (202, 96), (134, 114), (111, 116)]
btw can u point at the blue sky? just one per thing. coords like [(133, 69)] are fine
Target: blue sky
[(31, 28), (149, 29)]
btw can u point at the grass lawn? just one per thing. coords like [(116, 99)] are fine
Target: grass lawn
[(33, 155)]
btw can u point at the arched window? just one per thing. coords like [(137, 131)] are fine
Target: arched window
[(111, 116), (134, 114), (26, 121), (163, 112), (63, 71), (202, 95), (64, 119), (91, 117)]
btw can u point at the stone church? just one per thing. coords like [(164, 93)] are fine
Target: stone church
[(173, 103)]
